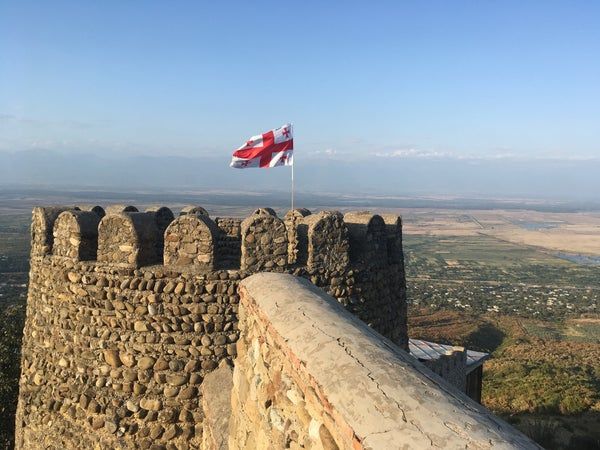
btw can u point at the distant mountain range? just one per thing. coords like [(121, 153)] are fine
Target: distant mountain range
[(569, 180)]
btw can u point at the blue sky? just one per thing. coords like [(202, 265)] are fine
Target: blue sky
[(437, 79)]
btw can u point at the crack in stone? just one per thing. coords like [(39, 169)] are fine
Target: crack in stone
[(369, 373), (375, 433), (423, 433), (370, 376)]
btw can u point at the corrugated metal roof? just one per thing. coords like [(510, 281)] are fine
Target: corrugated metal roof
[(430, 350)]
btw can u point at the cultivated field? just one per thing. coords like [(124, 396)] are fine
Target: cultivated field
[(565, 232)]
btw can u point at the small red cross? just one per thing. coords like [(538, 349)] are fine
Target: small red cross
[(286, 132), (249, 143), (244, 163)]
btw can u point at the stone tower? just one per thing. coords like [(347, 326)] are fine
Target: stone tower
[(129, 311)]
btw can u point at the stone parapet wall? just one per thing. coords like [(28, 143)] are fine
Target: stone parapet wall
[(116, 346), (309, 375), (357, 258), (261, 241), (120, 354)]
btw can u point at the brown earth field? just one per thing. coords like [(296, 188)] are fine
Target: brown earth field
[(567, 232)]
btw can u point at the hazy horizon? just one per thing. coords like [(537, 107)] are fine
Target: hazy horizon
[(475, 178)]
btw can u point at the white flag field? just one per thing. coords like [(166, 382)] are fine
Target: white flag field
[(271, 149)]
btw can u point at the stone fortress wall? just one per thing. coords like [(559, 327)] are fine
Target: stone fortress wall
[(301, 383), (129, 311)]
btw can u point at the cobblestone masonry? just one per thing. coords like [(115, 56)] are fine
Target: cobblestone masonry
[(76, 235), (115, 349)]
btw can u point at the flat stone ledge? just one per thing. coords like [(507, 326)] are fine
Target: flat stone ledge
[(372, 387), (216, 404)]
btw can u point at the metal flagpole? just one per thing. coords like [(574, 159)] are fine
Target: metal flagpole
[(291, 129)]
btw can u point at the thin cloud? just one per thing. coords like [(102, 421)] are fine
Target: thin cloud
[(37, 123), (505, 155), (414, 153), (325, 153)]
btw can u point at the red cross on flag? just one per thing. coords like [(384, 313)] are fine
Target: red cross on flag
[(271, 149)]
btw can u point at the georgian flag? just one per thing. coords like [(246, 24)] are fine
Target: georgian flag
[(271, 149)]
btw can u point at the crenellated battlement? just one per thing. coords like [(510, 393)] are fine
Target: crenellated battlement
[(356, 257), (128, 311), (194, 241)]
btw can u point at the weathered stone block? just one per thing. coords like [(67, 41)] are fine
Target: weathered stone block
[(289, 392), (190, 240), (368, 238), (42, 225), (216, 405), (327, 242), (76, 235), (128, 238), (264, 242)]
